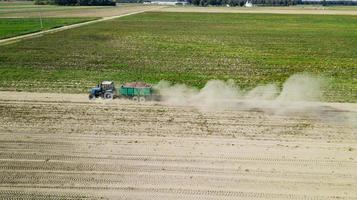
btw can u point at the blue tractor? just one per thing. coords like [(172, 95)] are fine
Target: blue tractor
[(105, 90)]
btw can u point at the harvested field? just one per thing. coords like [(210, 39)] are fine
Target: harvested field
[(35, 11), (64, 146)]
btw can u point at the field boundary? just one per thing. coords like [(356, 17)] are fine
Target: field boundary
[(62, 28), (260, 10)]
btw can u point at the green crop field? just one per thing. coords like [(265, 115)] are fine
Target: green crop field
[(10, 27), (189, 48)]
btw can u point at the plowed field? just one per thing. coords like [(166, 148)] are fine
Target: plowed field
[(60, 146)]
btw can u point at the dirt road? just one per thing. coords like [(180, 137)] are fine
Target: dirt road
[(60, 146)]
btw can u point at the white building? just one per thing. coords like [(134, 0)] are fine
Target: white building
[(248, 4), (167, 2)]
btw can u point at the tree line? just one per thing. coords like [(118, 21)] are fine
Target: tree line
[(77, 2), (200, 2), (242, 2), (269, 2)]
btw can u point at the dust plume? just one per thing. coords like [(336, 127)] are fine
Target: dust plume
[(296, 91), (299, 94)]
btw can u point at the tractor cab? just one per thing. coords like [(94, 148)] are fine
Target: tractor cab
[(105, 90), (107, 85)]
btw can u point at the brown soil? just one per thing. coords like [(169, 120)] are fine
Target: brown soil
[(81, 12), (61, 146)]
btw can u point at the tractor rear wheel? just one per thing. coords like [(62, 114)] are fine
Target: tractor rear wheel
[(108, 96), (142, 99), (91, 97), (135, 98)]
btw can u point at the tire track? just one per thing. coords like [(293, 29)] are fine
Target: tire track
[(71, 149)]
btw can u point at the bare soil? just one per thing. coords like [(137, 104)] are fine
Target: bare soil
[(105, 11), (63, 146), (123, 9)]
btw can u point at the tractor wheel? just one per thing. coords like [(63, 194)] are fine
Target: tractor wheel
[(142, 99), (91, 97), (135, 98), (108, 96)]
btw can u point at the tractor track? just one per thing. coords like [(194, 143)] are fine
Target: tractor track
[(191, 192), (199, 194), (58, 146)]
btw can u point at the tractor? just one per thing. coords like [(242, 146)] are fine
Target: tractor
[(105, 90)]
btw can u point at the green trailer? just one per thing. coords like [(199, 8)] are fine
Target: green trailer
[(136, 91)]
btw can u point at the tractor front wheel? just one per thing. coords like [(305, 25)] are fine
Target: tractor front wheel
[(108, 96)]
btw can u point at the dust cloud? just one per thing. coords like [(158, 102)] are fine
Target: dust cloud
[(298, 93)]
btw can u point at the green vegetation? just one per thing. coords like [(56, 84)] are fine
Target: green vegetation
[(10, 27), (189, 48)]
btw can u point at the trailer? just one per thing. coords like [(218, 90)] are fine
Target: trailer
[(136, 91)]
